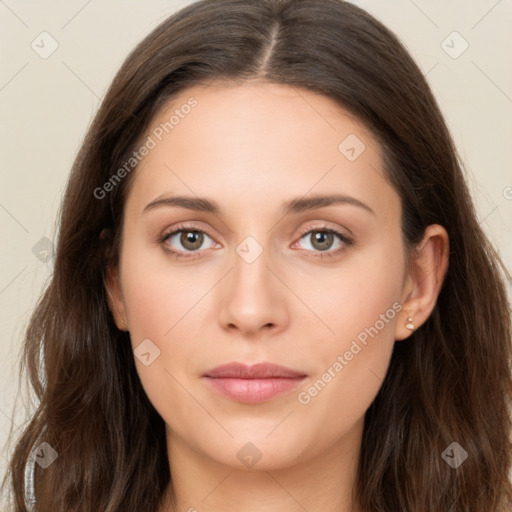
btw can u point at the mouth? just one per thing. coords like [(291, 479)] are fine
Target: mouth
[(253, 384)]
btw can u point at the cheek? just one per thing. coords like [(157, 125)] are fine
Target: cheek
[(162, 307), (157, 301), (157, 293), (361, 308), (361, 293)]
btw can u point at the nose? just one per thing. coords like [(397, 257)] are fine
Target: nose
[(253, 298)]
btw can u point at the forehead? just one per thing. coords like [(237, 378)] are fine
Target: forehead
[(255, 142)]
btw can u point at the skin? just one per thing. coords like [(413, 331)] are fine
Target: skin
[(250, 147)]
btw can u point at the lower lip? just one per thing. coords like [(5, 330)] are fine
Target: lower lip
[(253, 391)]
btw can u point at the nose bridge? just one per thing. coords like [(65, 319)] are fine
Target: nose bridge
[(253, 298), (251, 274), (253, 251)]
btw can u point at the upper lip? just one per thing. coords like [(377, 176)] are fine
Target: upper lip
[(256, 371)]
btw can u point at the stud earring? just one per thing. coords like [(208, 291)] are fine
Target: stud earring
[(409, 324)]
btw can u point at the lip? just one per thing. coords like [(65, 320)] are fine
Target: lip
[(253, 384)]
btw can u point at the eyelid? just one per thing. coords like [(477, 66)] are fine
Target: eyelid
[(183, 227), (324, 225)]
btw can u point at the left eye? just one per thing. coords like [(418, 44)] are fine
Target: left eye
[(322, 239)]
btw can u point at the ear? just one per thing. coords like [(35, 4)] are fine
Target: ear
[(424, 279), (115, 297)]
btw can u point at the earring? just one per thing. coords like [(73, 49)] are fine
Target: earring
[(409, 324), (123, 326)]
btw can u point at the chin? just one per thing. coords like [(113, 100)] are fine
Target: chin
[(258, 452)]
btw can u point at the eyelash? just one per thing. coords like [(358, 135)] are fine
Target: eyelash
[(348, 242)]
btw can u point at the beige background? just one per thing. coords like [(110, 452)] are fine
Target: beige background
[(47, 104)]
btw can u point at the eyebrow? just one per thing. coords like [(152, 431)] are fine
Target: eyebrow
[(296, 205)]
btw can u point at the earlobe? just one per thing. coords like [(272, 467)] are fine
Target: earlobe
[(427, 271), (114, 297)]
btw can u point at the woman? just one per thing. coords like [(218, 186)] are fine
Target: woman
[(271, 291)]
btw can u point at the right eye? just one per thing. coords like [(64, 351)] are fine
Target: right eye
[(191, 240)]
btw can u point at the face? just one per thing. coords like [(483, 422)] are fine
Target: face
[(270, 275)]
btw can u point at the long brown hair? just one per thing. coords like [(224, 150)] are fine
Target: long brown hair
[(450, 382)]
